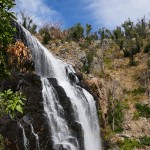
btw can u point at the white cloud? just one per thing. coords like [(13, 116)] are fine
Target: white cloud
[(111, 13), (38, 10)]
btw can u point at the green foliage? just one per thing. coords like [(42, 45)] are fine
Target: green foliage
[(126, 53), (118, 36), (107, 62), (44, 31), (94, 36), (105, 33), (4, 72), (46, 38), (88, 29), (132, 47), (129, 29), (141, 27), (143, 110), (147, 48), (145, 140), (11, 102), (116, 113), (139, 90), (6, 34), (129, 144), (2, 146), (6, 30), (33, 29), (27, 22), (90, 55), (76, 32)]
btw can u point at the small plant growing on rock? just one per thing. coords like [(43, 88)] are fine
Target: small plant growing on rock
[(11, 102)]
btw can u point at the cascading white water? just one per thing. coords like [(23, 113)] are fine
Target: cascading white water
[(36, 137), (46, 65), (55, 113), (25, 141)]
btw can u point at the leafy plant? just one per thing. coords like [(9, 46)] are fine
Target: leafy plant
[(6, 34), (11, 102)]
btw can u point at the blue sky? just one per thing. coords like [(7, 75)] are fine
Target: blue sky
[(98, 13)]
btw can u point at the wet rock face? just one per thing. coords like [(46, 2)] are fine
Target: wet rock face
[(11, 129), (30, 86), (19, 34)]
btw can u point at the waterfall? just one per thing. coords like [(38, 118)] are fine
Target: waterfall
[(54, 111), (36, 137), (25, 140), (82, 102)]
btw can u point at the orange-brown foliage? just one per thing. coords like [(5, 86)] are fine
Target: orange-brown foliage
[(19, 56)]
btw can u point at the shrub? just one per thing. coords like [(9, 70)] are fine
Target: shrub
[(126, 53), (147, 48), (89, 55), (2, 146), (6, 34), (129, 144), (140, 90), (117, 114), (76, 32), (143, 110), (46, 38), (145, 140), (19, 57)]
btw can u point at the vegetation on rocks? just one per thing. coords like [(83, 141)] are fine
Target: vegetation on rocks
[(6, 34), (11, 102), (118, 58)]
